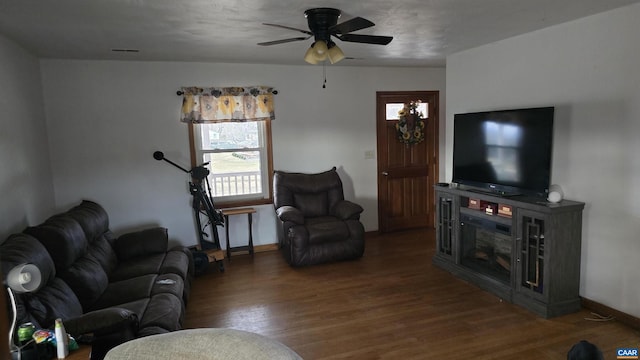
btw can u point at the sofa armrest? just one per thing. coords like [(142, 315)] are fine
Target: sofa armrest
[(149, 241), (103, 321), (347, 210), (289, 213)]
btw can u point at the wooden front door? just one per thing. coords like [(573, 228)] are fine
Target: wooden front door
[(406, 172)]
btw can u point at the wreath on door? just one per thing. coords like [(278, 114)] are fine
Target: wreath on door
[(410, 127)]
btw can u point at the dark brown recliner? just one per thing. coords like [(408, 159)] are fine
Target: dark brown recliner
[(316, 224)]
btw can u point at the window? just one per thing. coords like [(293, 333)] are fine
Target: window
[(392, 109), (240, 160)]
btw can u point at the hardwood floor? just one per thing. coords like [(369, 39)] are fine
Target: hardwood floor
[(391, 304)]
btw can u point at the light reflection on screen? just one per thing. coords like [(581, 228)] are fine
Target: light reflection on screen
[(503, 142)]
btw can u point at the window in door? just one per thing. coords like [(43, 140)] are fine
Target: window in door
[(392, 109)]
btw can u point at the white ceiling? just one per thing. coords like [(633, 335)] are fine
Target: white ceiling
[(424, 31)]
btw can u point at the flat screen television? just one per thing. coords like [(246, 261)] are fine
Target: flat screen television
[(505, 152)]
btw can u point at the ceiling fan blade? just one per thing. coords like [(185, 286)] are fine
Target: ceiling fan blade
[(367, 39), (357, 23), (290, 28), (275, 42)]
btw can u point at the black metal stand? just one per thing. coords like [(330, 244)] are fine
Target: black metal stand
[(202, 205)]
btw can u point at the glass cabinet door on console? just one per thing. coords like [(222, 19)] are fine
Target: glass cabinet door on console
[(446, 226), (531, 259), (486, 247)]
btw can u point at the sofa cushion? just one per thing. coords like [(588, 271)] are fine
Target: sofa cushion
[(20, 249), (56, 300), (87, 279), (95, 223), (168, 283), (63, 237), (125, 291), (175, 262), (92, 218), (137, 266), (24, 249), (138, 307), (101, 251), (163, 310), (142, 243), (65, 240)]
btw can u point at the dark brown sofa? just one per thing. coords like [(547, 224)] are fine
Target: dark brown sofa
[(317, 224), (114, 288)]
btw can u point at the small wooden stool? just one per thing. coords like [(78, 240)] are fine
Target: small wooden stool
[(240, 211)]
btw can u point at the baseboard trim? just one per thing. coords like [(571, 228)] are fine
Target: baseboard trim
[(256, 249), (275, 246), (266, 247), (604, 310)]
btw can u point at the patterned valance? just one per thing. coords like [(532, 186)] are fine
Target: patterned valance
[(218, 104)]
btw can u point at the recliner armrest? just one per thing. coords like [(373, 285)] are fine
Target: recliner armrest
[(289, 213), (103, 321), (347, 210), (149, 241)]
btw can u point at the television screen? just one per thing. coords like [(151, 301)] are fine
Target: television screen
[(507, 152)]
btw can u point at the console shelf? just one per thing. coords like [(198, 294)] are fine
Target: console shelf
[(528, 253)]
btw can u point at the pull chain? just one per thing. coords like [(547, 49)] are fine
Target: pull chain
[(324, 73)]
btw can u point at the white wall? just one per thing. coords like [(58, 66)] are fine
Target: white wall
[(25, 176), (589, 70), (106, 118)]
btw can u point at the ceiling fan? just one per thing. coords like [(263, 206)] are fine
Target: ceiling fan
[(323, 23)]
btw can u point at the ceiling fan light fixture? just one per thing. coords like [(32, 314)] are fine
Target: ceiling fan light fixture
[(310, 56), (320, 48), (334, 53), (317, 52)]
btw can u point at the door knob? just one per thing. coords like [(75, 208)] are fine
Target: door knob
[(385, 173)]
